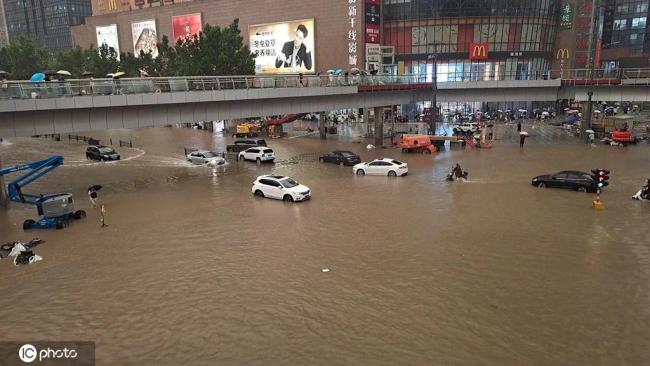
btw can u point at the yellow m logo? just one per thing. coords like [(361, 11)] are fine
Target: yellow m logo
[(479, 51), (562, 54)]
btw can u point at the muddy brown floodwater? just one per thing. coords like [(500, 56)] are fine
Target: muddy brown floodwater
[(193, 270)]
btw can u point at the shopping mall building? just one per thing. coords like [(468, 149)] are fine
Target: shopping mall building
[(466, 39)]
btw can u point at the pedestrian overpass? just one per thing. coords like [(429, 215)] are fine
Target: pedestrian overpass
[(28, 109)]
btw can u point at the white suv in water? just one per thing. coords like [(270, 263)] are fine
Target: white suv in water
[(280, 188), (258, 154)]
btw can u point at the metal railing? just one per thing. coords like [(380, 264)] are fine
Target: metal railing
[(155, 85)]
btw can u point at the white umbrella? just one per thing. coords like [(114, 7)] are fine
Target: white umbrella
[(590, 131), (597, 111), (522, 111), (64, 72), (523, 133)]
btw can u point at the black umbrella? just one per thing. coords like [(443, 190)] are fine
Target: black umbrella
[(95, 188)]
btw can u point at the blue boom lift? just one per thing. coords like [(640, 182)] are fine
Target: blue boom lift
[(55, 210)]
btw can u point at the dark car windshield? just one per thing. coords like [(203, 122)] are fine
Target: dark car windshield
[(347, 154), (106, 150), (288, 183), (397, 162), (209, 154)]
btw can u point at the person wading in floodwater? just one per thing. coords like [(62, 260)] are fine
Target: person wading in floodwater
[(92, 194), (103, 216), (522, 139)]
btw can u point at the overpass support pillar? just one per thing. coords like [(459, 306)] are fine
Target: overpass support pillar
[(379, 126), (4, 201), (321, 126)]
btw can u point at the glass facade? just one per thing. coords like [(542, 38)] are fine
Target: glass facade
[(625, 26), (46, 22), (520, 37)]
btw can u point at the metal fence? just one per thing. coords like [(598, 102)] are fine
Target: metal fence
[(129, 86)]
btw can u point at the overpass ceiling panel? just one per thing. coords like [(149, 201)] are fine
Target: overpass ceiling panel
[(131, 116), (192, 97), (160, 117), (98, 119), (253, 94), (24, 124), (118, 100), (63, 121), (83, 102), (135, 99), (7, 124), (115, 117), (212, 111), (101, 101), (164, 98), (148, 99), (205, 96), (7, 106), (174, 114), (25, 104), (64, 103), (81, 120), (144, 119), (179, 97), (43, 122), (187, 113), (200, 113)]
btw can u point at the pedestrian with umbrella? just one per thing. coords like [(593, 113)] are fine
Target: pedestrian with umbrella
[(522, 138), (4, 85)]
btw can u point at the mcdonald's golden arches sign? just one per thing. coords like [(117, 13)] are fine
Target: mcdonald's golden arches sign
[(478, 51), (562, 54)]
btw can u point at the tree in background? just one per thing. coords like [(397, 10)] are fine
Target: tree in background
[(22, 59), (214, 51)]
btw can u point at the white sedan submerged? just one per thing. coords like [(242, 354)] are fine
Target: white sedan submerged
[(385, 166), (205, 157)]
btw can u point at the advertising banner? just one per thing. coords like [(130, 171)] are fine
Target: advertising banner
[(186, 26), (566, 15), (372, 33), (144, 37), (108, 35), (372, 13), (286, 47)]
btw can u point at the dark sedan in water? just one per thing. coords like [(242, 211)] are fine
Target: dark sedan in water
[(341, 157), (568, 179)]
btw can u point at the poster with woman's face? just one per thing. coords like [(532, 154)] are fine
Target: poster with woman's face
[(186, 26), (144, 37)]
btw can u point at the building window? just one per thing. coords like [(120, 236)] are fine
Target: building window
[(638, 23), (642, 8), (622, 9), (620, 24)]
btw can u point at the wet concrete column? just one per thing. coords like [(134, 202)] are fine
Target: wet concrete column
[(4, 200), (379, 126), (321, 126)]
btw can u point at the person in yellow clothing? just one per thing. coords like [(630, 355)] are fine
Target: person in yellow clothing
[(103, 216)]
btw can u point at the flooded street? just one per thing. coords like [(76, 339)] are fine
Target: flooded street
[(193, 270)]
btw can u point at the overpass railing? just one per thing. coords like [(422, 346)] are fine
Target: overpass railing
[(126, 86)]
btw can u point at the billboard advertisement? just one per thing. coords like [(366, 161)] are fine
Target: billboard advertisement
[(286, 47), (108, 35), (186, 26), (144, 37)]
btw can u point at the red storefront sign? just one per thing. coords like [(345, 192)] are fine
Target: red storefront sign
[(478, 51), (372, 33)]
